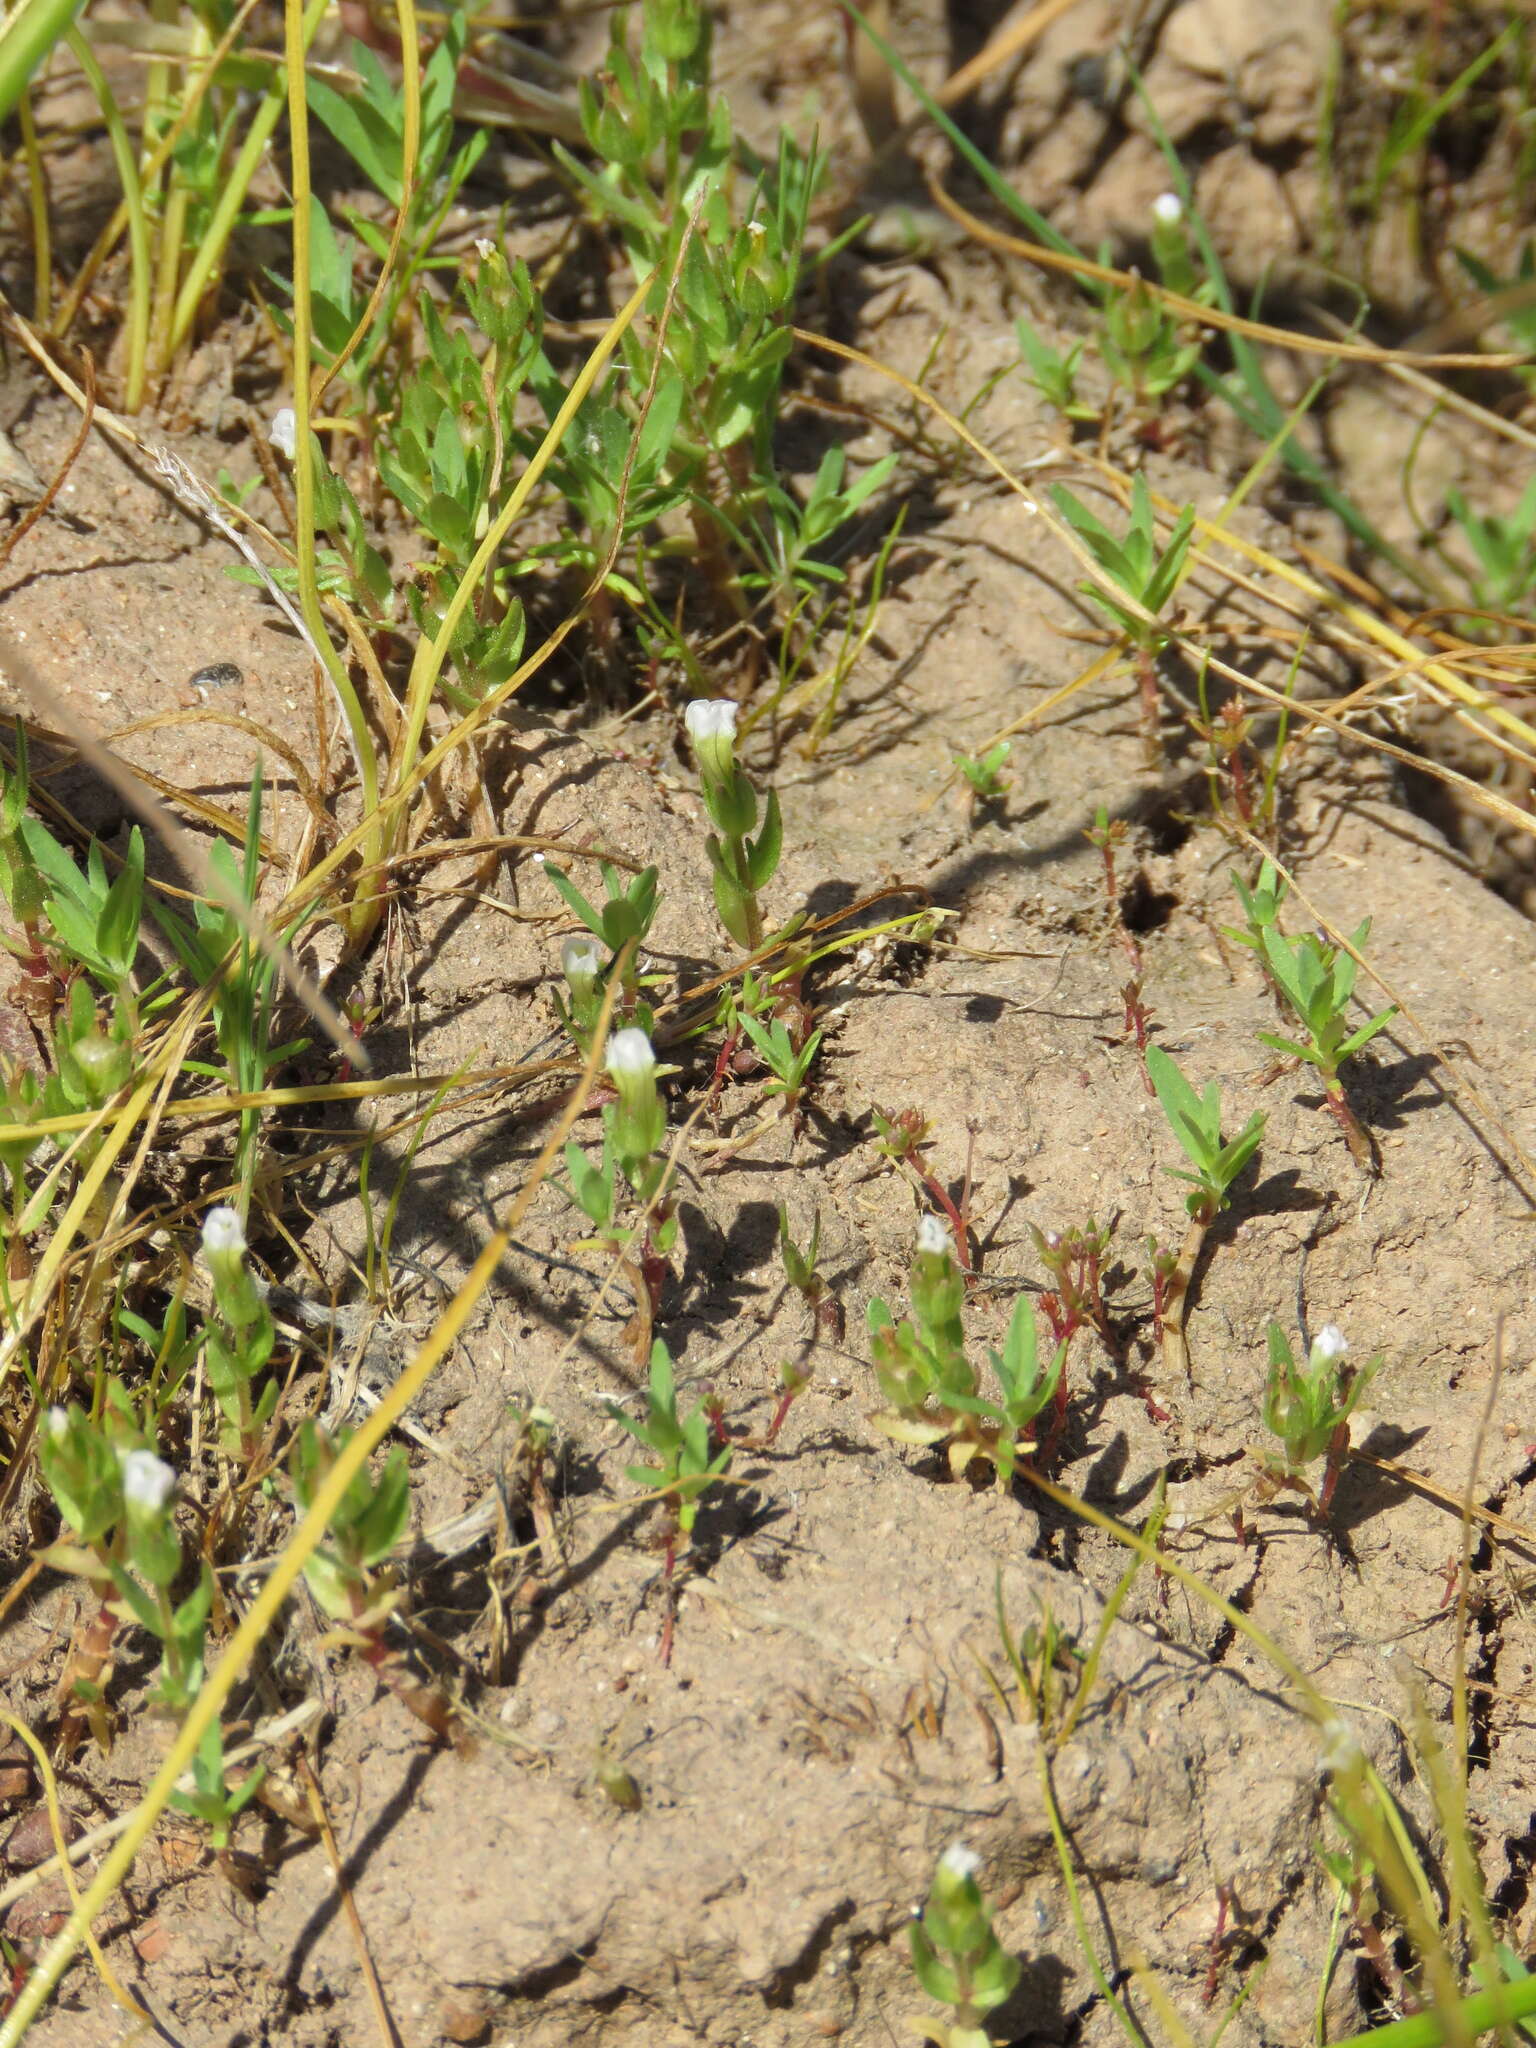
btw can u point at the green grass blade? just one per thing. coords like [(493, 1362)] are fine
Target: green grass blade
[(27, 35)]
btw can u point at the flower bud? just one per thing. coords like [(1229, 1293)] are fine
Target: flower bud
[(1167, 209), (284, 431), (148, 1482), (640, 1119), (581, 962), (1329, 1345), (932, 1237)]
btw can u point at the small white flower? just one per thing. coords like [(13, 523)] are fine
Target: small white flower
[(148, 1482), (581, 960), (58, 1424), (1340, 1745), (485, 248), (932, 1236), (223, 1236), (629, 1054), (1329, 1344), (960, 1862), (1167, 209), (284, 431), (710, 718)]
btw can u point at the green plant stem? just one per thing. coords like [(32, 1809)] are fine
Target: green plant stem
[(37, 208), (367, 906), (136, 330), (27, 34), (1128, 2026)]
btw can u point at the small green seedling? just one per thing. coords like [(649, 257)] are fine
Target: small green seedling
[(1026, 1392), (217, 950), (1504, 550), (930, 1385), (800, 1271), (1308, 1406), (1141, 571), (1195, 1121), (349, 1571), (627, 914), (689, 1460), (787, 1063), (956, 1955), (1317, 981), (1142, 579), (1053, 374), (984, 772), (800, 1266), (1145, 346), (740, 864), (1261, 908), (1051, 1673)]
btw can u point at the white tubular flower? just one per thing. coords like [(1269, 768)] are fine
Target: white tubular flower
[(932, 1237), (711, 723), (629, 1056), (58, 1424), (284, 431), (1329, 1345), (960, 1862), (223, 1234), (485, 248), (148, 1482), (1167, 209), (581, 962), (708, 717)]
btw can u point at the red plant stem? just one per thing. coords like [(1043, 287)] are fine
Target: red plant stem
[(941, 1200), (1223, 1906)]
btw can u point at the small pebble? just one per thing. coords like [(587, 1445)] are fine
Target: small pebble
[(218, 675)]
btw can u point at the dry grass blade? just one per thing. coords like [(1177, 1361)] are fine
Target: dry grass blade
[(1202, 315)]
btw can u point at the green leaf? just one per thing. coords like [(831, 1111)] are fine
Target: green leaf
[(1367, 1032), (576, 902), (937, 1979), (763, 852), (1196, 1124)]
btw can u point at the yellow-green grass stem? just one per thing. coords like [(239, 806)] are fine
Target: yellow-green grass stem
[(363, 916), (1503, 2006), (288, 1566), (136, 330)]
